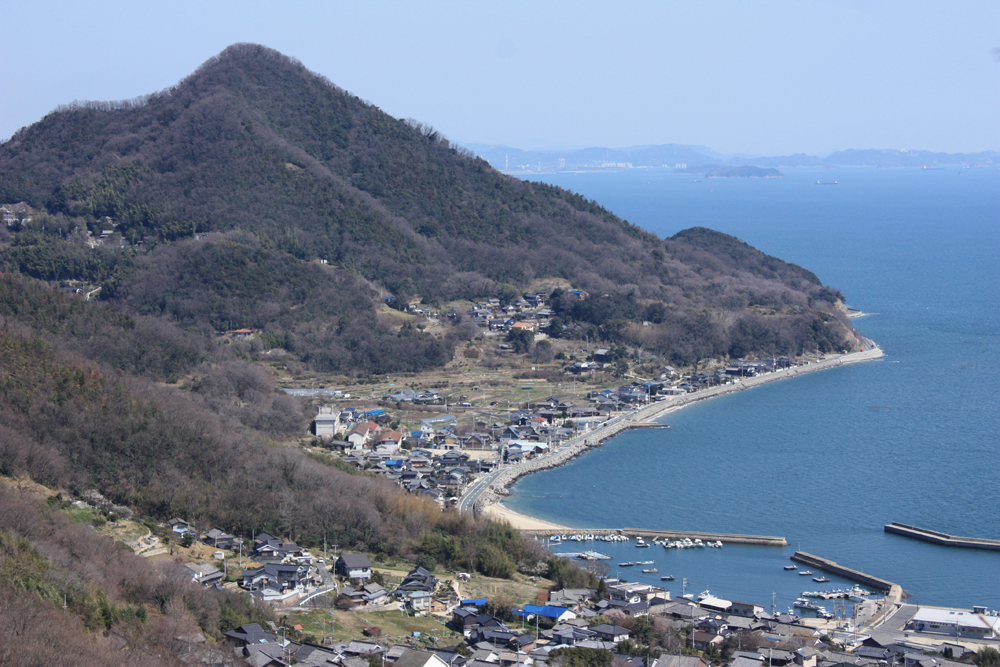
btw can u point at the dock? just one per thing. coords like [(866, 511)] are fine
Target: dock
[(943, 539), (652, 534)]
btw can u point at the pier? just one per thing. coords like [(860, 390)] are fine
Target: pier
[(652, 534), (941, 538)]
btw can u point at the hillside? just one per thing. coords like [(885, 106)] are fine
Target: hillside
[(258, 194)]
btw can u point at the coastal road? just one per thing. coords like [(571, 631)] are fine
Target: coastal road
[(472, 493)]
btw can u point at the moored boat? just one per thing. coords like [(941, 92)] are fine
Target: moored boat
[(651, 570)]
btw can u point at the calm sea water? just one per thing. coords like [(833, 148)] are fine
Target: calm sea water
[(827, 459)]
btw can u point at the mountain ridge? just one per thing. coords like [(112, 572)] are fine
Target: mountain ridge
[(253, 167)]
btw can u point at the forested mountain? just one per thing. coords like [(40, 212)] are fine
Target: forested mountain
[(258, 194)]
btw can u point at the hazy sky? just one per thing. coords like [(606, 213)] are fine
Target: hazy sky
[(751, 77)]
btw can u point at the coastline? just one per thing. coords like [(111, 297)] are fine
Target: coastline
[(488, 501), (520, 521)]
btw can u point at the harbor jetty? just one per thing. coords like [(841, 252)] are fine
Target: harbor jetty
[(943, 539), (819, 563), (893, 592), (647, 534)]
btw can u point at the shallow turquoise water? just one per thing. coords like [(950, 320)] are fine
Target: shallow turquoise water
[(827, 459)]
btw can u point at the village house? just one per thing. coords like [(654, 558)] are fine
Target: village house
[(369, 594), (362, 434), (220, 539), (275, 578), (419, 579), (205, 574), (354, 566)]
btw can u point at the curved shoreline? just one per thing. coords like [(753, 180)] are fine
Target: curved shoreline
[(498, 487)]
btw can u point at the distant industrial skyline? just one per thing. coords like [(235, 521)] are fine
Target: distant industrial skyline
[(768, 78)]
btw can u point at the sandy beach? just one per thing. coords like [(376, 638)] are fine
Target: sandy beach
[(488, 500), (520, 521)]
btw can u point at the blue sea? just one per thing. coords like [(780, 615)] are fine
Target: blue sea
[(824, 460)]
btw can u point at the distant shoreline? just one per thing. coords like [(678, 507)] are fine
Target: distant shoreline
[(489, 501)]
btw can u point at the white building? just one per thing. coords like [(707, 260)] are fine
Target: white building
[(955, 623), (327, 422)]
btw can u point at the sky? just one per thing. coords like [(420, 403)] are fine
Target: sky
[(759, 78)]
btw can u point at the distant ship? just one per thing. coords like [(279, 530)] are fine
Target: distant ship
[(826, 182)]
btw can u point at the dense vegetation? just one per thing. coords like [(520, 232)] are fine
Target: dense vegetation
[(61, 583), (75, 415), (225, 191)]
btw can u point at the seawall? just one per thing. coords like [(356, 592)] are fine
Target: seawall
[(941, 538)]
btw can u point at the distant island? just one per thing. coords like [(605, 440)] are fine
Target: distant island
[(723, 171), (679, 156)]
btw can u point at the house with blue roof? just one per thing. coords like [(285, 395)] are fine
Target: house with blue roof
[(551, 612)]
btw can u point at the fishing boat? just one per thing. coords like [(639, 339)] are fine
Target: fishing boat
[(667, 577), (805, 573), (628, 564), (704, 595), (803, 603), (821, 580), (645, 562), (791, 567), (651, 570)]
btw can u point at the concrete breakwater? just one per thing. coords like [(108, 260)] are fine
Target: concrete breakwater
[(893, 592), (645, 533), (820, 563), (941, 538)]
